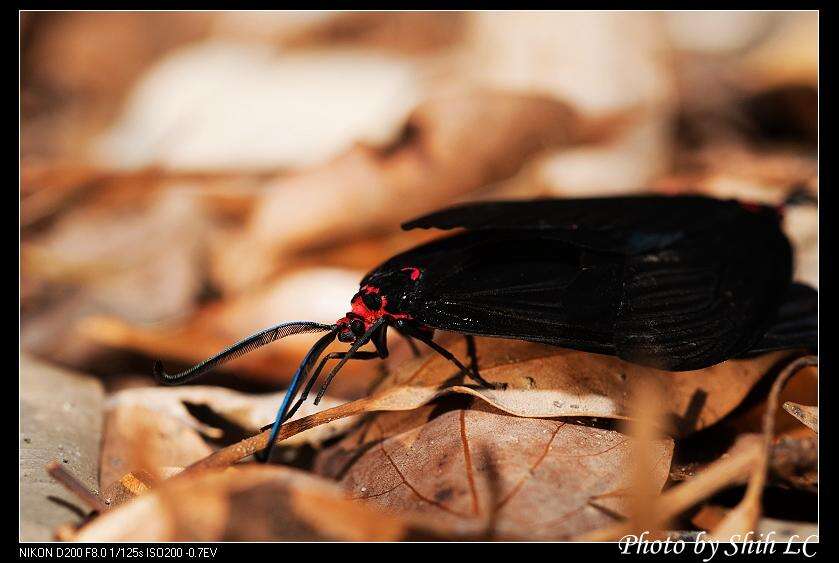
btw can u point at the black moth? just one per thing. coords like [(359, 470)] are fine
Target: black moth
[(676, 283)]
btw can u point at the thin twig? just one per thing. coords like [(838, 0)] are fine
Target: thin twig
[(745, 515), (72, 484)]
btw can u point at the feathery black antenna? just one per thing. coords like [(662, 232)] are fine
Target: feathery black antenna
[(242, 347)]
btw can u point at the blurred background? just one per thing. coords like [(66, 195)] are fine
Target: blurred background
[(189, 178)]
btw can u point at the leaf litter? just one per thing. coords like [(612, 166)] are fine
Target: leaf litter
[(120, 267)]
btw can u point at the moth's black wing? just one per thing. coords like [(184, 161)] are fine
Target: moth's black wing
[(796, 325), (514, 285), (705, 300), (616, 224), (706, 296)]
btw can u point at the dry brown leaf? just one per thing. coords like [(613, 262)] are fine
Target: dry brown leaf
[(479, 472), (808, 416), (255, 503), (150, 431), (76, 68), (732, 170), (48, 187), (132, 255)]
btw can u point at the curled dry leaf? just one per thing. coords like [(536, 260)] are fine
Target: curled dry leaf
[(481, 473), (250, 503), (808, 416), (547, 381)]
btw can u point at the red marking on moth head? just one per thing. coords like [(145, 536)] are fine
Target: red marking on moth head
[(414, 273)]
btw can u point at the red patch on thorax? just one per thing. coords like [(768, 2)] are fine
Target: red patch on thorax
[(370, 317), (751, 206)]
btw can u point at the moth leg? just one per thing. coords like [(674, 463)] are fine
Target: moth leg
[(363, 355), (352, 353), (472, 351), (313, 378), (470, 373), (412, 344)]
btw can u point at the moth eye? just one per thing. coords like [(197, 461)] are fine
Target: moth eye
[(372, 301), (357, 327)]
